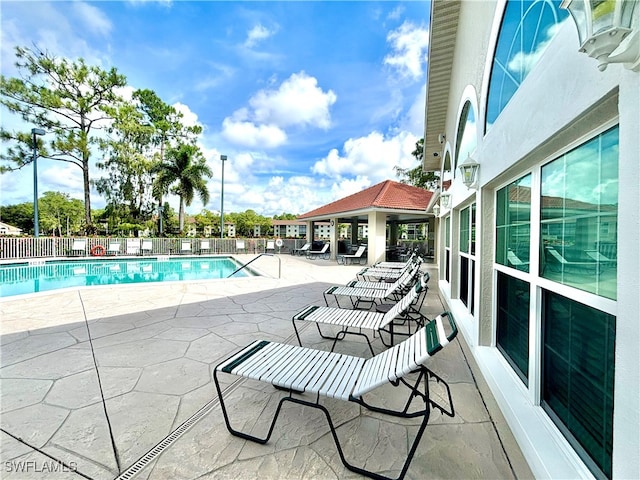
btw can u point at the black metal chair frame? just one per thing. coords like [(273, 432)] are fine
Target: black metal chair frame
[(424, 374)]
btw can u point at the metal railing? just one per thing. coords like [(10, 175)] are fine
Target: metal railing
[(253, 260), (25, 248)]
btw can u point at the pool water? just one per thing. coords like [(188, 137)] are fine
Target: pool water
[(41, 275)]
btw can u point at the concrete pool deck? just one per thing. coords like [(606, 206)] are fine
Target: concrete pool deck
[(92, 379)]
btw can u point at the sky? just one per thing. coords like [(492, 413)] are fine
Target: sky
[(310, 101)]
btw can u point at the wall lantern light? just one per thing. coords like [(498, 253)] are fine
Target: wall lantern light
[(445, 199), (469, 170), (436, 210), (606, 30)]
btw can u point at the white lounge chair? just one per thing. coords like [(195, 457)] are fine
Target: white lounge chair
[(369, 295), (133, 246), (147, 246), (310, 375), (557, 262), (354, 321), (395, 265), (302, 250), (114, 248), (323, 252), (379, 273), (358, 256), (185, 248), (79, 247), (515, 261), (205, 246)]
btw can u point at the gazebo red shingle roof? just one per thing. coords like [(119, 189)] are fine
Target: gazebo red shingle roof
[(387, 194)]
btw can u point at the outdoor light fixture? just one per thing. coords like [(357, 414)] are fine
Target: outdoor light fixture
[(469, 170), (606, 30), (445, 199), (436, 210), (36, 222), (223, 158)]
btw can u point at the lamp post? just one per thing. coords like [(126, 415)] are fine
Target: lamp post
[(223, 158), (36, 222)]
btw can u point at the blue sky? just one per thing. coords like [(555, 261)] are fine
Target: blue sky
[(310, 101)]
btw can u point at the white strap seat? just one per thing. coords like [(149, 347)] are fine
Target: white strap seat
[(362, 319), (344, 377)]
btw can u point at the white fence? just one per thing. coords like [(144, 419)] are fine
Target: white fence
[(12, 248)]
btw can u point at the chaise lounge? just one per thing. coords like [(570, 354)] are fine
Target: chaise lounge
[(323, 252), (309, 375), (358, 256), (370, 293), (353, 322)]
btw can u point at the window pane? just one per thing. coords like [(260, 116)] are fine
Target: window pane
[(472, 238), (464, 230), (513, 323), (464, 281), (528, 26), (513, 224), (579, 213), (447, 232), (467, 139), (578, 375)]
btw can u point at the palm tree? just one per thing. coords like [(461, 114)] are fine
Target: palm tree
[(183, 171)]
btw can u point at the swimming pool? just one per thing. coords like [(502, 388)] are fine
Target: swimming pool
[(41, 275)]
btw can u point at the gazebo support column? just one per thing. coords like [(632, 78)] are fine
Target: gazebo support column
[(393, 234), (310, 233), (333, 238), (377, 237), (354, 233)]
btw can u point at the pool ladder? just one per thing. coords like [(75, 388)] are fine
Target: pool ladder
[(253, 260)]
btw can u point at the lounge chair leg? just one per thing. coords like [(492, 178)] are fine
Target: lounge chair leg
[(238, 433)]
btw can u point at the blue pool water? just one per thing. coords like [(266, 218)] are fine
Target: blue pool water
[(41, 276)]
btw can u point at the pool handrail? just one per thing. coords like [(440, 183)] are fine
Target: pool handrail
[(256, 258)]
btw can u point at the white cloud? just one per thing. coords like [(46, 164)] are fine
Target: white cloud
[(346, 187), (93, 18), (257, 34), (523, 62), (251, 135), (189, 118), (396, 13), (297, 101), (409, 50), (373, 156)]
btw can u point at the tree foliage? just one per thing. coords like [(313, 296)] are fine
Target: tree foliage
[(247, 220), (184, 172), (416, 176), (129, 164), (60, 214), (68, 99)]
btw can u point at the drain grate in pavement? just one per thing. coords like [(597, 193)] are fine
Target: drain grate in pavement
[(161, 446)]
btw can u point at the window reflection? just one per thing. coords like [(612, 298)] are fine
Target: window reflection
[(467, 134), (513, 224), (528, 26), (579, 217)]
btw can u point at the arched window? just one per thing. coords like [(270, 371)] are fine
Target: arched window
[(526, 30), (446, 168), (466, 139)]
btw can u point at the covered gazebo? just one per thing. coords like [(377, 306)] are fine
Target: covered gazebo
[(387, 203)]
